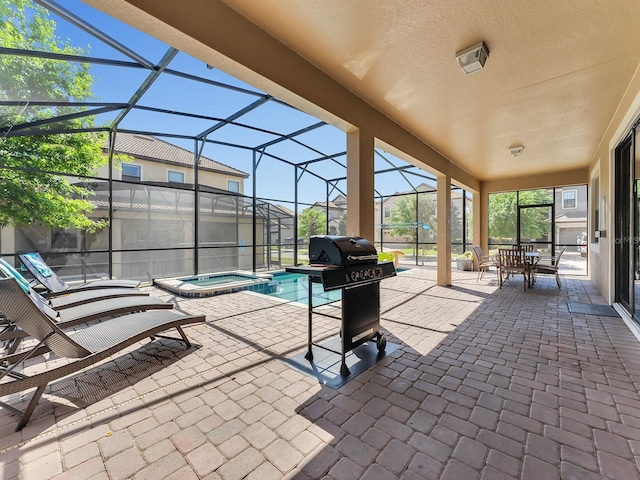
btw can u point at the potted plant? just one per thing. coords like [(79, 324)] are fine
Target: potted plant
[(465, 261)]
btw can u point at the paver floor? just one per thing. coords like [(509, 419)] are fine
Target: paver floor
[(487, 383)]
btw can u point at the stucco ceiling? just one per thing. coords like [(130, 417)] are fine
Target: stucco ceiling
[(553, 80)]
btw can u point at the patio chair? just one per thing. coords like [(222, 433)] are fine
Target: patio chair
[(512, 262), (68, 300), (85, 347), (484, 263), (550, 268), (55, 285)]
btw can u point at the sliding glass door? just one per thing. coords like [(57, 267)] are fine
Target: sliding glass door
[(627, 255)]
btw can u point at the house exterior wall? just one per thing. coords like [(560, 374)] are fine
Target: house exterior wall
[(601, 253), (152, 171)]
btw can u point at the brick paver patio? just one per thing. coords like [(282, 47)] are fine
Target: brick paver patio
[(487, 384)]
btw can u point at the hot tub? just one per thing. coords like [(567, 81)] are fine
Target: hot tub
[(210, 284)]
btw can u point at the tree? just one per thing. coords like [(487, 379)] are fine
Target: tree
[(311, 222), (503, 215), (404, 222), (31, 187), (403, 216)]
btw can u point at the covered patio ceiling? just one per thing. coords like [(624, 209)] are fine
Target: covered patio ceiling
[(554, 78)]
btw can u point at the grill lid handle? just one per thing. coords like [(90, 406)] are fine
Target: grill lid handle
[(373, 256)]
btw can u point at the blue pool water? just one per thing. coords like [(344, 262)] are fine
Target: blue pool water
[(295, 288)]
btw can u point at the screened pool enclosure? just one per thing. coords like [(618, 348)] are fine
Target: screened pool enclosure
[(225, 175)]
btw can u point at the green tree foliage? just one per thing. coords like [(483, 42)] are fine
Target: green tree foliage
[(27, 194), (503, 215), (403, 217), (311, 222)]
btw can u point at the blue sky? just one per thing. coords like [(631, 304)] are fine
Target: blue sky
[(275, 179)]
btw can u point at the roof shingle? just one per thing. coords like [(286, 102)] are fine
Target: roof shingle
[(152, 148)]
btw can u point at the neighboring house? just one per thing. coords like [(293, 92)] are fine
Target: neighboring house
[(155, 160), (150, 217), (280, 224), (335, 210), (571, 213)]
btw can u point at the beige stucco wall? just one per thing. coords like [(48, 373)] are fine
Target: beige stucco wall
[(601, 254), (159, 172)]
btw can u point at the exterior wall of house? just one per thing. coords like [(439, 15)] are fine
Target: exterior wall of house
[(602, 168), (159, 172)]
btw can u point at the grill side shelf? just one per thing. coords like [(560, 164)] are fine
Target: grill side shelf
[(334, 277)]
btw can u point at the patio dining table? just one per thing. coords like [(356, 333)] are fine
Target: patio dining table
[(531, 259)]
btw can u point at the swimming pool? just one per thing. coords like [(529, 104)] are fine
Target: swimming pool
[(294, 287)]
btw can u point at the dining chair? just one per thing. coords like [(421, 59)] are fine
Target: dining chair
[(550, 268), (512, 262), (484, 263), (527, 247)]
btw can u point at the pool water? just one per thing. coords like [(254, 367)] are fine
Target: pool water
[(294, 287)]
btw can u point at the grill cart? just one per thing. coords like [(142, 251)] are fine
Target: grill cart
[(351, 265)]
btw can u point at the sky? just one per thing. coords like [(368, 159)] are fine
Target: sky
[(275, 179)]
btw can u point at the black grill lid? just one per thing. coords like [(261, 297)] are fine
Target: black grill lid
[(341, 251)]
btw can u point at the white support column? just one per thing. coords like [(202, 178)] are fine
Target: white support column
[(444, 231), (360, 185)]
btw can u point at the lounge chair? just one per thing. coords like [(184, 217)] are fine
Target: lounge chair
[(87, 346), (69, 299), (72, 316), (550, 268), (55, 285)]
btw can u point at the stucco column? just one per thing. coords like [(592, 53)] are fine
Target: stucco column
[(476, 212), (360, 185), (484, 219), (444, 231)]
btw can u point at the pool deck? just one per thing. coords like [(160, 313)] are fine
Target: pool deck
[(487, 383)]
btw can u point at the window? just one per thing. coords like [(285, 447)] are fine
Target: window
[(131, 172), (176, 177), (569, 198), (233, 186), (387, 211)]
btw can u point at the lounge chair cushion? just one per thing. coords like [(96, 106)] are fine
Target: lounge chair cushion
[(38, 263), (56, 285), (9, 272)]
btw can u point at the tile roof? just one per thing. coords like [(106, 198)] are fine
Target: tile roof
[(152, 148)]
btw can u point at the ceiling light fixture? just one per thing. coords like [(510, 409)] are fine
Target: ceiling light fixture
[(473, 58), (516, 151)]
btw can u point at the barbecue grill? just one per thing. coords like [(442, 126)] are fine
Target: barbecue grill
[(350, 264)]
